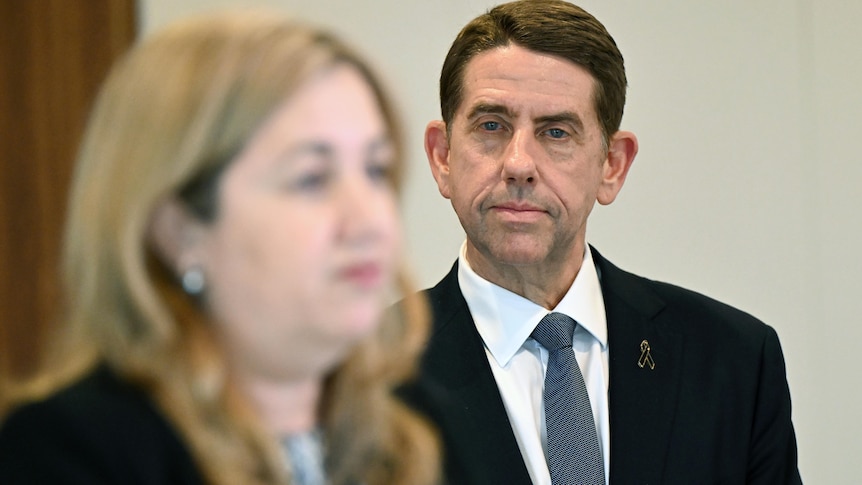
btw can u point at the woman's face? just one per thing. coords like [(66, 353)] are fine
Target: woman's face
[(301, 255)]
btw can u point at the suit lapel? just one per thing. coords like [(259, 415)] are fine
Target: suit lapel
[(642, 401), (481, 432)]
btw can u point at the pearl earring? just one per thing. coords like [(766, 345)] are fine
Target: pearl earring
[(193, 281)]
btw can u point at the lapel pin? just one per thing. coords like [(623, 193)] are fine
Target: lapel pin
[(646, 358)]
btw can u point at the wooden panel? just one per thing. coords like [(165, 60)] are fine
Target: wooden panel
[(53, 56)]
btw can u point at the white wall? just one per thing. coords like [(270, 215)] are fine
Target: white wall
[(745, 187)]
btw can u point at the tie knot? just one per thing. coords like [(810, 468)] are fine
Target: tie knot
[(555, 331)]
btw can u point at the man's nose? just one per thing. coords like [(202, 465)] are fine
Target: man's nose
[(519, 161)]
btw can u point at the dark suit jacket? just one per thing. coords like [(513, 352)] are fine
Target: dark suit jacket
[(99, 431), (716, 408)]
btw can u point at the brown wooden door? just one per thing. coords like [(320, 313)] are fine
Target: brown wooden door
[(53, 56)]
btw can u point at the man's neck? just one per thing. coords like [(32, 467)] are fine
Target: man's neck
[(544, 283)]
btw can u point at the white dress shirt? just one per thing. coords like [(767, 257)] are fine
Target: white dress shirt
[(505, 321)]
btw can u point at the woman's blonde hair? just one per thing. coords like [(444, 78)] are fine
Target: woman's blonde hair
[(173, 112)]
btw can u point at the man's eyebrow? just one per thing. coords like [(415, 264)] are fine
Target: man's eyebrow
[(568, 117), (485, 108)]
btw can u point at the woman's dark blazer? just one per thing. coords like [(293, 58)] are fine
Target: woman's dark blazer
[(98, 431)]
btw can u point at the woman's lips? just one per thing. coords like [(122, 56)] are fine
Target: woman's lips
[(366, 275)]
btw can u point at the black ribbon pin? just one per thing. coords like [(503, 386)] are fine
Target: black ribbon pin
[(646, 358)]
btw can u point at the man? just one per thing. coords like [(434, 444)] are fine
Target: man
[(675, 387)]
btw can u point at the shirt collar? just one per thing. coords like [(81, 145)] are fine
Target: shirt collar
[(505, 319)]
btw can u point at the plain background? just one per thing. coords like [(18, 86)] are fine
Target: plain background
[(746, 186)]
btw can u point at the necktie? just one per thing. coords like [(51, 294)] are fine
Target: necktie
[(573, 446)]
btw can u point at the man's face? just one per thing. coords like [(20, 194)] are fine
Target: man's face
[(525, 160)]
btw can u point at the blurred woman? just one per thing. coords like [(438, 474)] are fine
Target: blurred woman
[(232, 242)]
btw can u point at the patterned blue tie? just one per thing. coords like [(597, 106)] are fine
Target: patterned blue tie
[(573, 446)]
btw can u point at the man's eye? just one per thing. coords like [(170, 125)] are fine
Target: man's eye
[(556, 133), (490, 125)]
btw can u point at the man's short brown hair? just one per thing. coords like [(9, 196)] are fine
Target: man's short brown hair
[(553, 27)]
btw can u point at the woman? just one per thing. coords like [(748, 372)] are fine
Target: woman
[(231, 243)]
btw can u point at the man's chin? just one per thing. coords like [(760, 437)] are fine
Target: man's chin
[(519, 250)]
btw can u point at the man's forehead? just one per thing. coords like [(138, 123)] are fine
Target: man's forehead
[(538, 63), (515, 78)]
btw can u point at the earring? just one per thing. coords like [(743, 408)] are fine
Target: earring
[(193, 281)]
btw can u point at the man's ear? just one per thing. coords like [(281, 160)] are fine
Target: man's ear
[(622, 148), (176, 235), (437, 149)]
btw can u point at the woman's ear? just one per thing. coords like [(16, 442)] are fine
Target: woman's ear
[(622, 148), (176, 235)]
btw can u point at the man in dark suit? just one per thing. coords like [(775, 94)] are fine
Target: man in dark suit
[(678, 387)]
